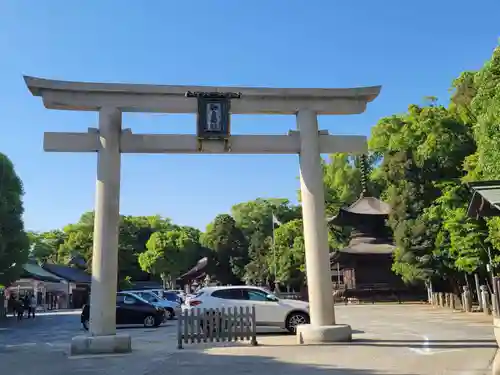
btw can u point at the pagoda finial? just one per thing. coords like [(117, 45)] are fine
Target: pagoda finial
[(364, 176)]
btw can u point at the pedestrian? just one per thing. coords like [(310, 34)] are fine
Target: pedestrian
[(5, 306), (12, 305), (19, 309), (26, 305), (32, 308)]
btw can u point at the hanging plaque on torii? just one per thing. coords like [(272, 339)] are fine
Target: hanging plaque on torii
[(214, 117)]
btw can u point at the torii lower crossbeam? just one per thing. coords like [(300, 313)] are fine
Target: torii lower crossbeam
[(188, 144)]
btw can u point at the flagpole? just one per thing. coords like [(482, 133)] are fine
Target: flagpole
[(274, 249)]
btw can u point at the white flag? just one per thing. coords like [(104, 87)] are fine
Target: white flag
[(276, 221)]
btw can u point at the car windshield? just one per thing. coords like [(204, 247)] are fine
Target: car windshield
[(150, 297), (171, 296), (266, 290), (137, 297)]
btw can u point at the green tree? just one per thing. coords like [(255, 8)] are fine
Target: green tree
[(419, 148), (254, 218), (45, 246), (290, 254), (169, 253), (134, 233), (477, 98), (230, 249), (14, 242), (79, 241)]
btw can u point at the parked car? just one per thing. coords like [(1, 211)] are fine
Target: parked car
[(269, 309), (130, 310), (174, 295), (170, 295), (172, 308)]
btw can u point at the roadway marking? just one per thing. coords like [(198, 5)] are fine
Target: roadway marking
[(87, 356), (426, 350), (27, 344)]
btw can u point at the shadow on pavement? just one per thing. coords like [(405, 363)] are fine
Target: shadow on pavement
[(262, 365), (431, 344), (286, 333), (187, 362), (274, 333), (139, 326)]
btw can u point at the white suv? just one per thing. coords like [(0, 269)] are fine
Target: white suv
[(269, 309)]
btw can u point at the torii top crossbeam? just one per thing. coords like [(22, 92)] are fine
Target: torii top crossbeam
[(85, 96)]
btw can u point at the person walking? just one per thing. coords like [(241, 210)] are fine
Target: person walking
[(26, 305), (19, 309), (10, 305), (32, 307)]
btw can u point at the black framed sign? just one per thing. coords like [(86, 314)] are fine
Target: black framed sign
[(214, 117)]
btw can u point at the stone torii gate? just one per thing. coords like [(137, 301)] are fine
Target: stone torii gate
[(214, 106)]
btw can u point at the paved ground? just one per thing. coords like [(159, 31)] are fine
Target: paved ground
[(389, 339)]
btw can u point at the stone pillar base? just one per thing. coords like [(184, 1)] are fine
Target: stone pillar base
[(114, 344), (309, 334)]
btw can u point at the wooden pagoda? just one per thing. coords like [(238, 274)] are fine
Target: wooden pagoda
[(366, 263)]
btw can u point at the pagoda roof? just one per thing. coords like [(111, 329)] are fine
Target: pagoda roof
[(364, 248), (368, 206)]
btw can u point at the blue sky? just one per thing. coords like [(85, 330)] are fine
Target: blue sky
[(413, 49)]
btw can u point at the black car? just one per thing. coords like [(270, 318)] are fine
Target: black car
[(130, 310)]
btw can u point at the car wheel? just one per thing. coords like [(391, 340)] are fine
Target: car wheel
[(169, 314), (149, 321), (85, 325), (295, 319)]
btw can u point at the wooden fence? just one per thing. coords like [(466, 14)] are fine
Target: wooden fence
[(216, 325)]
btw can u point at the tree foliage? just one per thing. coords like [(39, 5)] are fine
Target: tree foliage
[(14, 241), (290, 254), (170, 252), (254, 218), (229, 247)]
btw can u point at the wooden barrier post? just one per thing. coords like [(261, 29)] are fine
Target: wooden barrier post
[(466, 299), (254, 342), (453, 300), (485, 299)]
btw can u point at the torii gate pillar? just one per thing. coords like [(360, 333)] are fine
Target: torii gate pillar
[(318, 272), (109, 141)]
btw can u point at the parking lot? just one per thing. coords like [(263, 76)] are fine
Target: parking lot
[(391, 339), (53, 331)]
